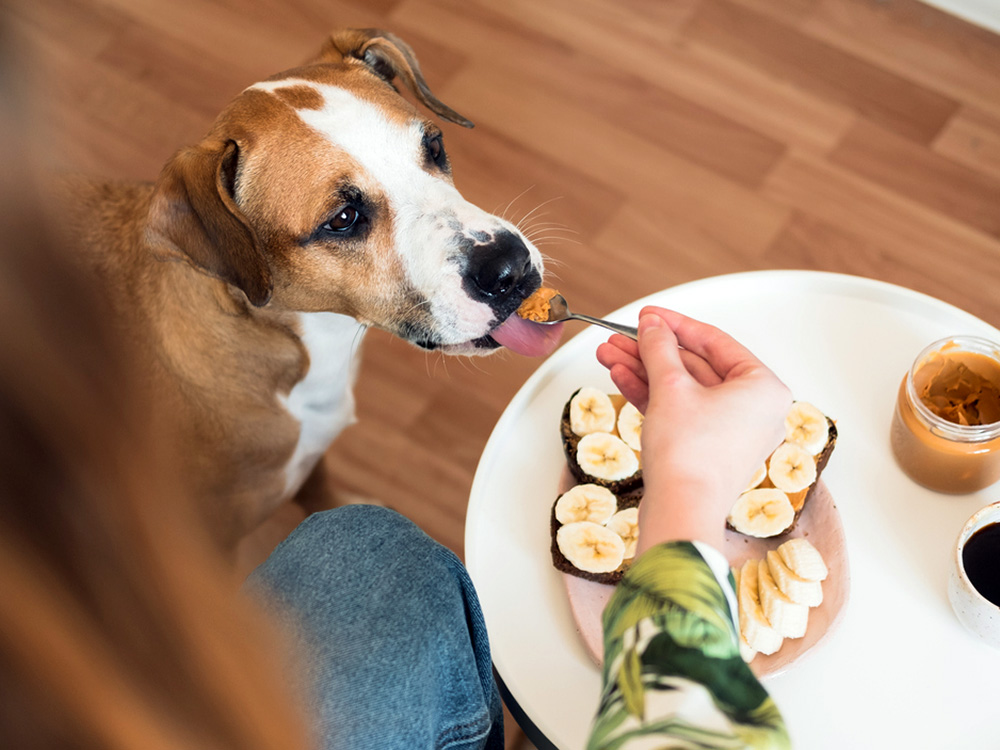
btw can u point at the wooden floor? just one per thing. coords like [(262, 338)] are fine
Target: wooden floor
[(643, 143)]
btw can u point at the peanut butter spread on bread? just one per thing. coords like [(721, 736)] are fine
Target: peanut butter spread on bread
[(536, 307)]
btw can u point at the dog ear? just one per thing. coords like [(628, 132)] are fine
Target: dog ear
[(194, 213), (388, 57)]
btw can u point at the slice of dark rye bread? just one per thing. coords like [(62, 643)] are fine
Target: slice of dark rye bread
[(799, 499), (627, 491), (624, 488), (633, 498), (561, 563)]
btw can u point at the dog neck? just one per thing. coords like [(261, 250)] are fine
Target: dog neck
[(323, 400)]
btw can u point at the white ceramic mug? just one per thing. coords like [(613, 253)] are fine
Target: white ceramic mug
[(977, 613)]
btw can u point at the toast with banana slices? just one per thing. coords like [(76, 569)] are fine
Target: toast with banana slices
[(779, 490), (594, 525), (600, 436), (594, 533)]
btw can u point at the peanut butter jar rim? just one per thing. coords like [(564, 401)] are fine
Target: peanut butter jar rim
[(949, 430)]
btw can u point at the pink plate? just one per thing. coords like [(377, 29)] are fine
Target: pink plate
[(819, 522)]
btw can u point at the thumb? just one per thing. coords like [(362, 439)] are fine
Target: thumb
[(658, 347)]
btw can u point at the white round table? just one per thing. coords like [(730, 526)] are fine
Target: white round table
[(899, 671)]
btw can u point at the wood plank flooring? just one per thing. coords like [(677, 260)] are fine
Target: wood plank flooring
[(641, 143)]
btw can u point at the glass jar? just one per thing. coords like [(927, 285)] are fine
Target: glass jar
[(946, 428)]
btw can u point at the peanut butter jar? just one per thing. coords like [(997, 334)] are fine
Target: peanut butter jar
[(946, 428)]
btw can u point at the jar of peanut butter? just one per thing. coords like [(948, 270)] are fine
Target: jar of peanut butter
[(946, 429)]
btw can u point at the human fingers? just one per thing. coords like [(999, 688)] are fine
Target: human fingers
[(612, 357), (620, 355), (700, 370), (626, 344), (631, 386), (614, 351), (658, 348), (611, 353), (622, 349), (722, 352)]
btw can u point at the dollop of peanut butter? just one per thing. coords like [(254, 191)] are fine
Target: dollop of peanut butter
[(536, 307), (959, 386)]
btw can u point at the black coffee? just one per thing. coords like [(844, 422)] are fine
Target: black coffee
[(981, 557)]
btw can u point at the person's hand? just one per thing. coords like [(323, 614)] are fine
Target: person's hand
[(713, 413)]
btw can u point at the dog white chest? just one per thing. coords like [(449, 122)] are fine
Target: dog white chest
[(323, 401)]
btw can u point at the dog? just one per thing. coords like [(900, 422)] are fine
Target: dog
[(320, 204)]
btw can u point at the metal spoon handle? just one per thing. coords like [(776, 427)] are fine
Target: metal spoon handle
[(631, 332)]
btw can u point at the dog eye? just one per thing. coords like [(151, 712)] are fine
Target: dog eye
[(434, 146), (345, 219)]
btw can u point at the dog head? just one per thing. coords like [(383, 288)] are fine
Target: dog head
[(323, 189)]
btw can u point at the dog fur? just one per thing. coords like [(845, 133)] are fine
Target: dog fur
[(319, 204)]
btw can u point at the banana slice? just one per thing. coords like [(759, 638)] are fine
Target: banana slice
[(795, 587), (745, 651), (625, 523), (591, 547), (806, 425), (792, 468), (591, 410), (606, 457), (630, 426), (762, 512), (758, 477), (586, 502), (803, 559), (788, 618), (754, 627)]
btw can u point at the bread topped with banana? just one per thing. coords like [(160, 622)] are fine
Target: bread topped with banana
[(600, 436), (594, 524), (594, 533), (778, 491)]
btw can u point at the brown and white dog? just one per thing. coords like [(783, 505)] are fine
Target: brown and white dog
[(320, 204)]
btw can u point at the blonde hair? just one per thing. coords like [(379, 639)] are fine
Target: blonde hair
[(120, 627)]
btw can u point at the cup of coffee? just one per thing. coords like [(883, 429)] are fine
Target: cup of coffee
[(974, 581)]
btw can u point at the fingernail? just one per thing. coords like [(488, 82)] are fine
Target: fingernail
[(647, 322)]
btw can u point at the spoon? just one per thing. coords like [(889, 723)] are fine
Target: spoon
[(559, 311)]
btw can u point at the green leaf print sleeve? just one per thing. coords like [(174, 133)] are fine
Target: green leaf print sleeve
[(673, 675)]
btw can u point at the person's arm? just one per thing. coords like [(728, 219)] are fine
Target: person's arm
[(672, 667)]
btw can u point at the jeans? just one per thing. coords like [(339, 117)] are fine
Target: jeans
[(395, 643)]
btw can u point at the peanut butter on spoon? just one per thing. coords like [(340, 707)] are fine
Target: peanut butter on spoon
[(536, 307)]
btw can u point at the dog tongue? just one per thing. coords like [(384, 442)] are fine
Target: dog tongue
[(527, 338)]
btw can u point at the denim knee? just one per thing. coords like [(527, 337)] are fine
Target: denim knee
[(397, 645), (359, 546)]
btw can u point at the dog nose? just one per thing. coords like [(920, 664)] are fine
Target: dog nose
[(496, 268)]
